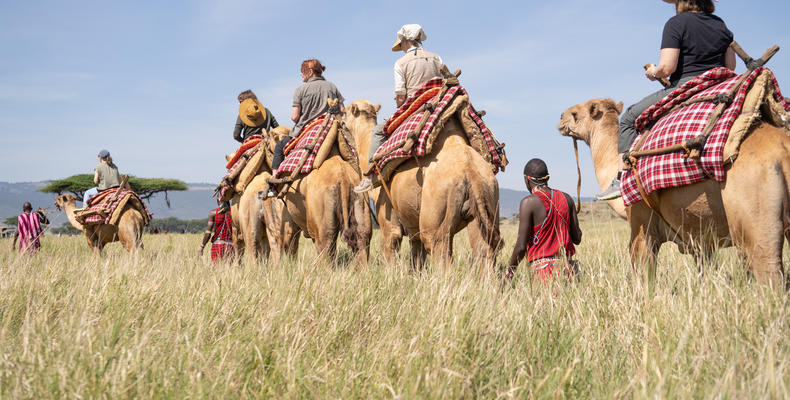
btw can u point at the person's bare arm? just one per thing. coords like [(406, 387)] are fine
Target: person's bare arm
[(400, 99), (16, 236), (667, 65), (342, 108), (575, 230), (96, 177), (729, 59), (296, 111), (209, 230), (525, 227)]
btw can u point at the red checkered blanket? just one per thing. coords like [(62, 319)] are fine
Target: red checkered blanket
[(392, 147), (314, 134), (248, 148), (672, 170), (109, 208)]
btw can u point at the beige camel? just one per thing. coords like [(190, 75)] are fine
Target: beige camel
[(360, 118), (460, 191), (129, 230), (751, 209), (262, 226), (323, 205)]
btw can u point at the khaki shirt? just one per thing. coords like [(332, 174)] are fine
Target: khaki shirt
[(108, 176), (415, 68)]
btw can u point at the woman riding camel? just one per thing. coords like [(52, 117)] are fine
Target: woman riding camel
[(253, 118), (694, 41), (310, 101), (105, 175)]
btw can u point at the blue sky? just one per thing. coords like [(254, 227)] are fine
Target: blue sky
[(155, 82)]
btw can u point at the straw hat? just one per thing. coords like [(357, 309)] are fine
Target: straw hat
[(252, 113), (409, 32)]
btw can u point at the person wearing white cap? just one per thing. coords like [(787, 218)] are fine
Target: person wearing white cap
[(694, 41), (416, 67), (105, 175)]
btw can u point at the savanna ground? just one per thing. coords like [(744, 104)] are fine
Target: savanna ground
[(169, 324)]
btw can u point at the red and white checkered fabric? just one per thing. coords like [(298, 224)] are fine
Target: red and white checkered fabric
[(398, 138), (673, 170), (110, 207), (305, 138)]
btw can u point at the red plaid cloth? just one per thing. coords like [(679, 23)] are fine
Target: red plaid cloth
[(398, 138), (672, 170), (111, 206), (305, 138), (431, 84), (249, 147), (220, 251)]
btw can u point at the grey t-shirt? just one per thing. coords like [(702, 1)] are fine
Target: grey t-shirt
[(311, 98)]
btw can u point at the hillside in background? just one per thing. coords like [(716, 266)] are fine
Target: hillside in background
[(194, 203)]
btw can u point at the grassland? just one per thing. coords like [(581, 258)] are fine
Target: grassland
[(169, 324)]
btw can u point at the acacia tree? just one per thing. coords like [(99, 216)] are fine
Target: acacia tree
[(144, 187)]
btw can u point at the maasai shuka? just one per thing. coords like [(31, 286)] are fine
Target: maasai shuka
[(553, 236), (673, 170), (29, 227), (222, 241), (391, 148)]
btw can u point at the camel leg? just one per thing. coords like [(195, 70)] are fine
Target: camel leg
[(418, 253), (485, 248), (363, 229), (391, 229), (437, 220), (645, 241)]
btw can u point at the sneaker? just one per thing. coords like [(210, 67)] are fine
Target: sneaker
[(612, 192), (364, 185)]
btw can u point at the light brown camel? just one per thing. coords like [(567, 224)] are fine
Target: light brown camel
[(323, 205), (360, 118), (129, 230), (260, 226), (460, 191), (750, 209)]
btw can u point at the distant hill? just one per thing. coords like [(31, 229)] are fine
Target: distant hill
[(194, 203)]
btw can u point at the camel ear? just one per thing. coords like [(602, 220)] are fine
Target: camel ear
[(227, 157), (619, 107), (595, 110), (354, 110), (377, 107)]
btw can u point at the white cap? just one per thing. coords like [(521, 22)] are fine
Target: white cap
[(409, 32)]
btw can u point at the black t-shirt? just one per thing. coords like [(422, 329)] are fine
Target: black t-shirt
[(703, 40)]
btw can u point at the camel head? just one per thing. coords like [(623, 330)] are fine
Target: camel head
[(64, 200), (581, 120), (362, 109)]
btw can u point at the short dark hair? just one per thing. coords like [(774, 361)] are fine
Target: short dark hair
[(247, 94), (27, 206), (536, 170), (703, 6)]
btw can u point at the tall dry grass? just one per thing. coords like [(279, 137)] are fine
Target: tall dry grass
[(169, 324)]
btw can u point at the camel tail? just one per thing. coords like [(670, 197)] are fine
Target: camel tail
[(344, 212), (484, 199), (786, 200)]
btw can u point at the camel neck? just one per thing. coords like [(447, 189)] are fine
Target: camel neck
[(603, 146)]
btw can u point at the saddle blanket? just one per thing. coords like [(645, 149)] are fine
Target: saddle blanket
[(673, 170), (408, 118), (248, 148), (308, 144), (109, 211)]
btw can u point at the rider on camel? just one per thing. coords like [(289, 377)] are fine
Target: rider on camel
[(310, 101), (416, 67), (694, 41), (547, 226), (105, 175), (253, 118)]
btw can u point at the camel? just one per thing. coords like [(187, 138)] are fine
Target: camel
[(461, 192), (129, 230), (360, 118), (750, 210), (262, 226)]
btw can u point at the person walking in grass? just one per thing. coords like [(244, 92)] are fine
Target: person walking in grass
[(548, 227), (220, 225), (28, 229)]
